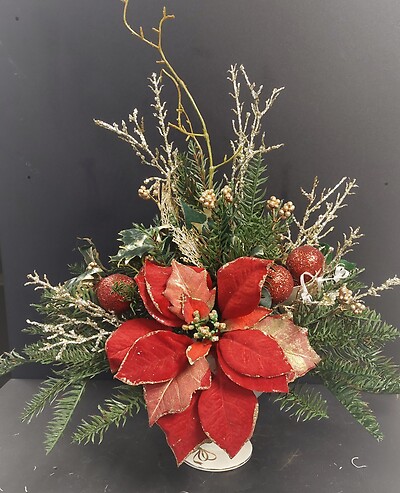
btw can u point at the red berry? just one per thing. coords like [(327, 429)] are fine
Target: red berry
[(108, 298), (305, 259), (279, 283)]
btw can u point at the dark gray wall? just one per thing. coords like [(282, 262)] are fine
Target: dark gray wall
[(63, 63)]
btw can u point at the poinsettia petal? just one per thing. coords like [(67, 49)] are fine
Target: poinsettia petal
[(151, 281), (249, 354), (189, 306), (198, 350), (208, 277), (175, 395), (183, 430), (155, 357), (188, 286), (294, 342), (228, 413), (258, 384), (239, 286), (247, 321), (122, 339)]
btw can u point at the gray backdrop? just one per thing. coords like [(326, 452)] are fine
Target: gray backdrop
[(63, 63)]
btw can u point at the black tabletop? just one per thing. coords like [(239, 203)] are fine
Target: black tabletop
[(330, 456)]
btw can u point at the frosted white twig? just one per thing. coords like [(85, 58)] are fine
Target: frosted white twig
[(376, 290), (67, 331), (247, 125), (163, 128), (311, 234), (137, 141), (349, 241)]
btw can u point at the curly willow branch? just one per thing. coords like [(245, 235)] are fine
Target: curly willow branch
[(180, 86)]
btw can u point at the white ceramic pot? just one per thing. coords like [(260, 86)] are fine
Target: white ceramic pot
[(209, 457)]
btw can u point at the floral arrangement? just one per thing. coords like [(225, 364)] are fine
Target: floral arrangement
[(227, 295)]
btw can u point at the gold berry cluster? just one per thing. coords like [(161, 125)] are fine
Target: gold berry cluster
[(208, 199), (144, 193), (281, 210), (227, 193), (152, 192), (345, 297)]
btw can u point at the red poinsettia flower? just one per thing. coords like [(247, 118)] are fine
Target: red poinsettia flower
[(249, 350)]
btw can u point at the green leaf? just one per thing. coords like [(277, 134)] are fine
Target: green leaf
[(92, 262), (266, 299), (193, 217), (348, 265), (89, 253), (327, 251)]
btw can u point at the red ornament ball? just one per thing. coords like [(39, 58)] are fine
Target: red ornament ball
[(279, 283), (305, 259), (108, 298)]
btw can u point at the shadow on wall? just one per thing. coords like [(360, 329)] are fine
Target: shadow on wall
[(3, 326)]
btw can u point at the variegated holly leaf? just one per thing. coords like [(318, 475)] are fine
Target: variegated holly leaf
[(175, 395), (137, 242), (228, 413), (294, 343)]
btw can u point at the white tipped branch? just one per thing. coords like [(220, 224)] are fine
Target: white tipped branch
[(311, 234), (247, 126), (68, 331), (376, 290)]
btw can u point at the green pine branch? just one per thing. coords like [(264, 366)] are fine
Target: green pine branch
[(63, 379), (253, 201), (189, 178), (358, 408), (373, 373), (114, 411), (47, 393), (330, 328), (64, 408), (303, 403), (11, 360)]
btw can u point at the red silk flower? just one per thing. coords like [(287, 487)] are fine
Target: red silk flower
[(252, 351)]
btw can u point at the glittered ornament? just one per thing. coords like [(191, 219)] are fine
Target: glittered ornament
[(107, 296), (305, 259), (279, 283)]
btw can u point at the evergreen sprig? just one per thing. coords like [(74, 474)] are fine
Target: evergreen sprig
[(252, 202), (11, 360), (63, 410), (189, 176), (303, 403), (371, 373), (351, 399), (63, 378), (115, 411)]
